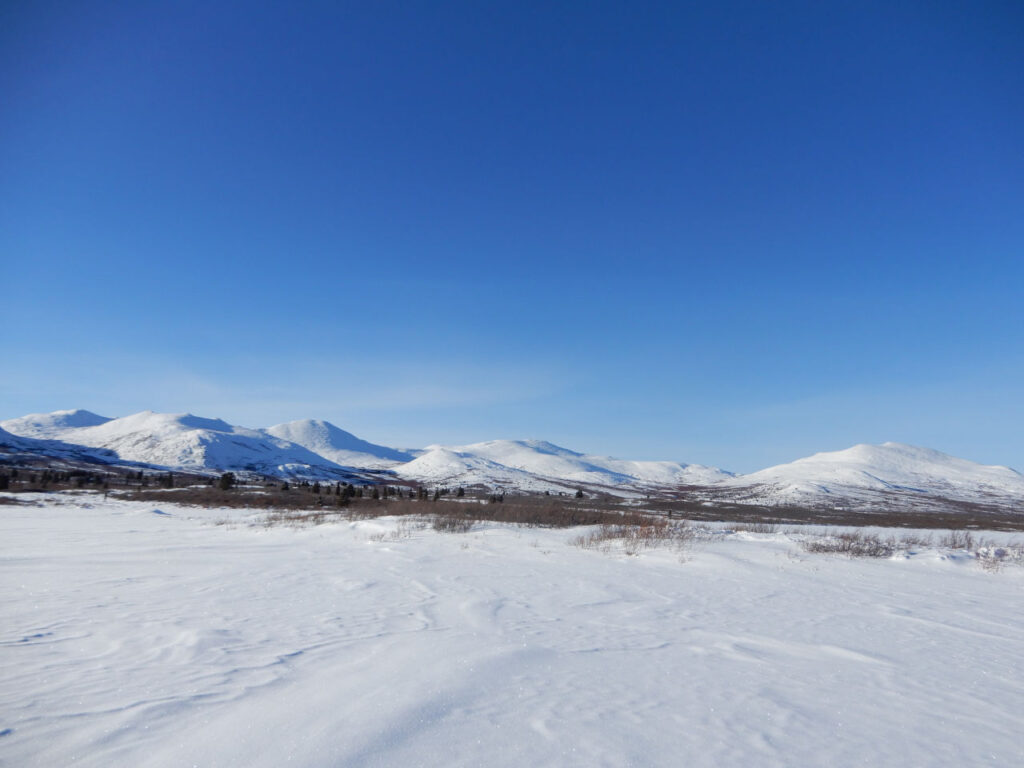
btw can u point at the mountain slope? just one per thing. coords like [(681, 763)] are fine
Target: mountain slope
[(10, 442), (868, 471), (337, 445), (35, 448)]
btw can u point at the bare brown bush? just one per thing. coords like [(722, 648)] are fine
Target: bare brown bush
[(756, 527), (989, 555), (453, 524), (853, 544), (958, 540), (12, 500), (634, 538)]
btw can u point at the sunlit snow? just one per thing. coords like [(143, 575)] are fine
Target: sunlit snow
[(142, 635)]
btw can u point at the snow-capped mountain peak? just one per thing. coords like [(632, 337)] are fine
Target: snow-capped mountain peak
[(52, 425), (334, 443), (878, 468)]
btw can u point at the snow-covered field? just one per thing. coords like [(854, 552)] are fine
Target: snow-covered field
[(136, 636)]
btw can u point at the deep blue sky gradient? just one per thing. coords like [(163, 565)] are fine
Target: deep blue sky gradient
[(730, 233)]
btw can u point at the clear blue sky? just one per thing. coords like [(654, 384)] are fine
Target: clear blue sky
[(729, 233)]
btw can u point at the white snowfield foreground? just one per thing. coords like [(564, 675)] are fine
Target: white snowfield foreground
[(864, 476), (137, 636)]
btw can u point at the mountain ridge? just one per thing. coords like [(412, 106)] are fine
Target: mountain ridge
[(862, 474)]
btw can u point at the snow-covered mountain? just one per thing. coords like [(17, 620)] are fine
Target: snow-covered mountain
[(864, 472), (861, 476), (540, 465), (180, 440), (337, 445), (312, 447), (52, 425), (438, 465)]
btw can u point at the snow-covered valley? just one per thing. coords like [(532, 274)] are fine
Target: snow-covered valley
[(146, 635)]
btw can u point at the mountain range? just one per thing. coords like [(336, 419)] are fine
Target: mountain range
[(860, 476)]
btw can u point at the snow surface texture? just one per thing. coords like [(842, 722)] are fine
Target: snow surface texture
[(141, 636)]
